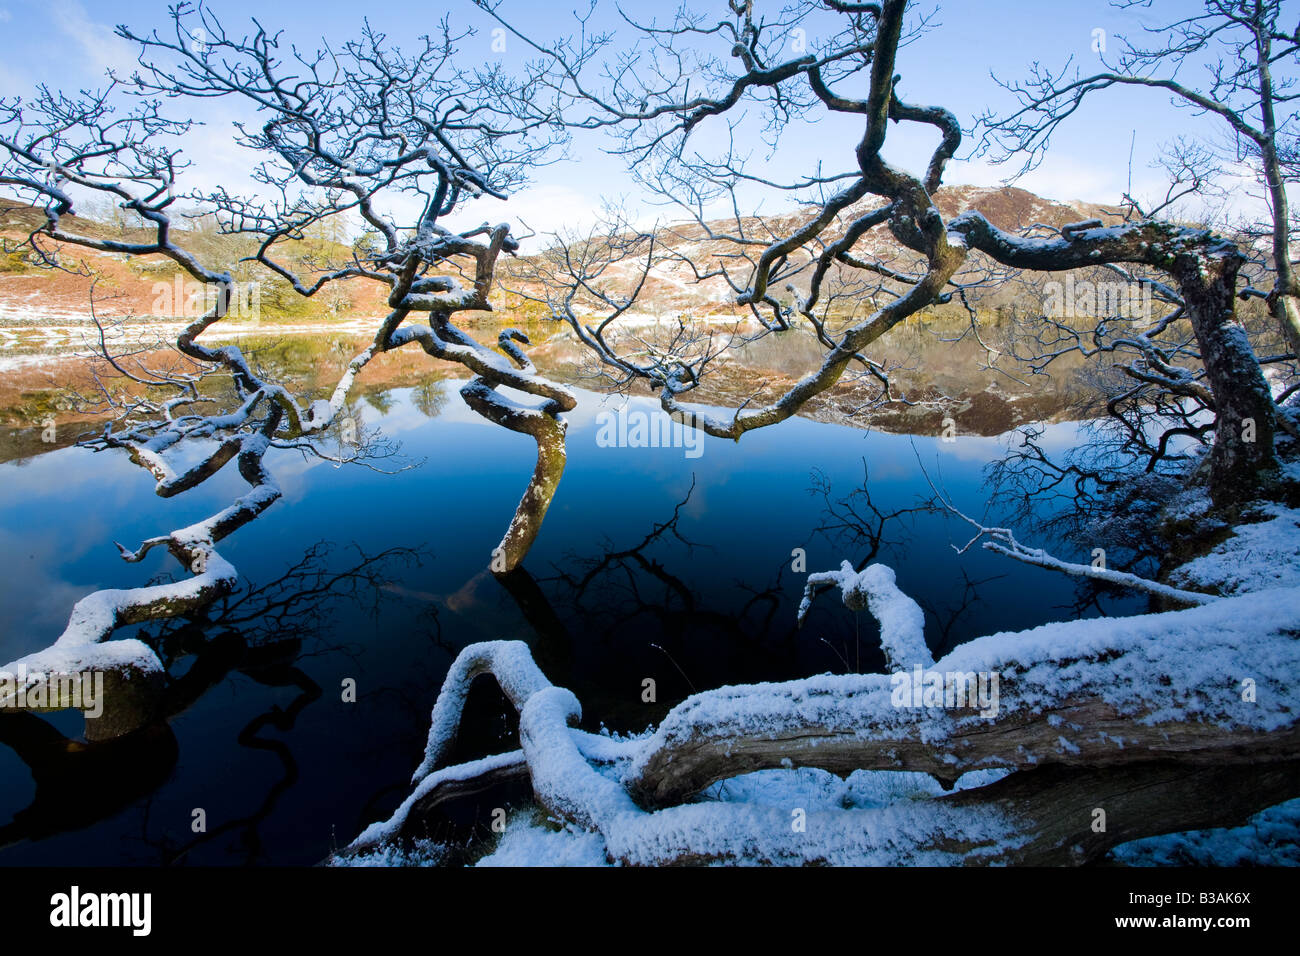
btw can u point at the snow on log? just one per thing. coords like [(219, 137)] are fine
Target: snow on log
[(131, 672), (902, 622), (1147, 713), (1092, 692)]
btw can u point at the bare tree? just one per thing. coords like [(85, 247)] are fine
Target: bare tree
[(342, 130), (398, 140), (645, 797), (1075, 689), (260, 631), (1250, 57), (655, 94)]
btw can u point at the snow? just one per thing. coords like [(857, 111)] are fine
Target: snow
[(898, 834), (83, 646), (523, 683), (1204, 652), (902, 622), (526, 843), (513, 665), (878, 817), (378, 833), (85, 643), (765, 827), (1256, 557), (813, 788), (419, 853), (1270, 838)]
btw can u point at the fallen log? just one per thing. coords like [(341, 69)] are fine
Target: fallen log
[(1163, 722)]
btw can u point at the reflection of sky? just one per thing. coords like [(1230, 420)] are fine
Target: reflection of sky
[(754, 490), (60, 513)]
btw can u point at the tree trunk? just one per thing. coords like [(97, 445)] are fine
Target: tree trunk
[(548, 431), (1243, 465), (1101, 728)]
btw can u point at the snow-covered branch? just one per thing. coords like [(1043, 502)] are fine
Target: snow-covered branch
[(1003, 541), (902, 622)]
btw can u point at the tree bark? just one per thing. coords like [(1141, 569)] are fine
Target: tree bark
[(1087, 721), (1243, 464), (549, 433), (1058, 806)]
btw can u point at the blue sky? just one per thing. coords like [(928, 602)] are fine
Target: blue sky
[(69, 43)]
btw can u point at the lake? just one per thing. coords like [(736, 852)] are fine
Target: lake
[(670, 564)]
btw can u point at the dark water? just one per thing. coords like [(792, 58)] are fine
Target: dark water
[(381, 578)]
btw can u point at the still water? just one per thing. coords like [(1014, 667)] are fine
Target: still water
[(651, 564)]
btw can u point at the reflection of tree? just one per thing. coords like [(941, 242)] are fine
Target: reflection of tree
[(648, 800), (1082, 498), (154, 406), (297, 604), (277, 718), (259, 631), (381, 400), (644, 588), (79, 784), (854, 522), (611, 597), (157, 418), (387, 122), (429, 397)]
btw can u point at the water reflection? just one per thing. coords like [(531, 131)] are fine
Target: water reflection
[(937, 376), (651, 567), (263, 632)]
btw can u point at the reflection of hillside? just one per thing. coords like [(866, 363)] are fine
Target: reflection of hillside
[(939, 373), (936, 376), (307, 365), (942, 377)]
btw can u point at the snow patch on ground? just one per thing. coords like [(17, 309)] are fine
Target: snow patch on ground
[(1270, 838), (527, 843), (419, 853), (1257, 557), (815, 789)]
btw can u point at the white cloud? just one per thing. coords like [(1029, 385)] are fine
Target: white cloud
[(99, 46), (539, 209), (1061, 178)]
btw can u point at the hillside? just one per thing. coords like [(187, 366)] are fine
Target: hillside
[(30, 295)]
